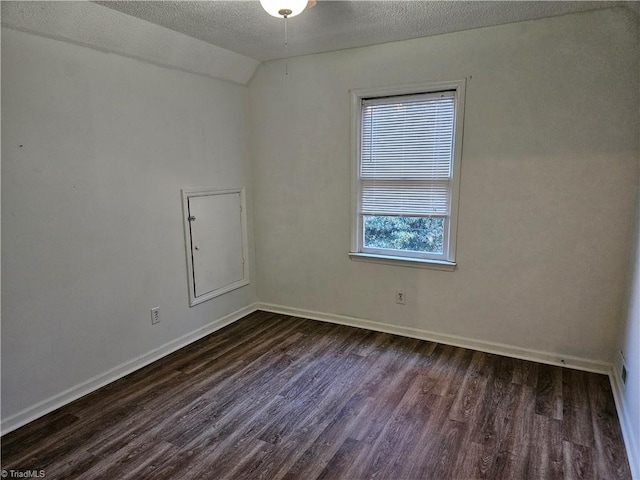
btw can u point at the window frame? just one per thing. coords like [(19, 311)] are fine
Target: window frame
[(446, 261)]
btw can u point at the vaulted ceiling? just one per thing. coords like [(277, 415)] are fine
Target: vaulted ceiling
[(229, 39), (244, 27)]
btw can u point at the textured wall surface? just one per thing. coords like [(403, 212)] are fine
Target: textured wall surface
[(629, 345), (95, 150), (548, 181)]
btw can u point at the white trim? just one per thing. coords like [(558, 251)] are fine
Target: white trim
[(357, 95), (456, 167), (188, 193), (63, 398), (633, 454), (549, 358), (356, 129), (59, 400), (404, 261)]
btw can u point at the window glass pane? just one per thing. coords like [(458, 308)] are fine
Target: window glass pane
[(417, 234)]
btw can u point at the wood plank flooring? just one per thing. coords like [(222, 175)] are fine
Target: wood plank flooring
[(278, 397)]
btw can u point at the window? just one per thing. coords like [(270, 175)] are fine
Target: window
[(406, 171)]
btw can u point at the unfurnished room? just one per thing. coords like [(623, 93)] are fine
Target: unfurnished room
[(292, 239)]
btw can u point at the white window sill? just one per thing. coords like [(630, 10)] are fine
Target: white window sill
[(404, 261)]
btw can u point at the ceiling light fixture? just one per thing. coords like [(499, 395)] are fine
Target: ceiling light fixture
[(283, 8), (286, 9)]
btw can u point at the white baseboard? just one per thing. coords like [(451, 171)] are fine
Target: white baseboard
[(46, 406), (632, 445), (50, 404), (489, 347), (481, 345)]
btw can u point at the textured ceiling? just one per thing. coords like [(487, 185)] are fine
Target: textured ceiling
[(245, 28), (94, 26)]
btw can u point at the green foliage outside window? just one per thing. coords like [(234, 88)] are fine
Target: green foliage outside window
[(418, 234)]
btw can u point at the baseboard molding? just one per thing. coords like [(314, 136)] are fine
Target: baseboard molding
[(489, 347), (632, 445), (481, 345), (46, 406)]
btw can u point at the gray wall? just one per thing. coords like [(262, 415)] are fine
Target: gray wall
[(92, 229), (629, 344), (549, 175), (95, 150)]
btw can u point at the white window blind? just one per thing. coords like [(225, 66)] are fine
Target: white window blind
[(406, 151)]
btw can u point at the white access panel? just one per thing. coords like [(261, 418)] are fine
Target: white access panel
[(216, 244)]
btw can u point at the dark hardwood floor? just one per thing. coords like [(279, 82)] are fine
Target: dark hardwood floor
[(273, 396)]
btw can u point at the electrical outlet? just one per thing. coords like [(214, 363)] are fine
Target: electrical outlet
[(155, 315), (400, 297)]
